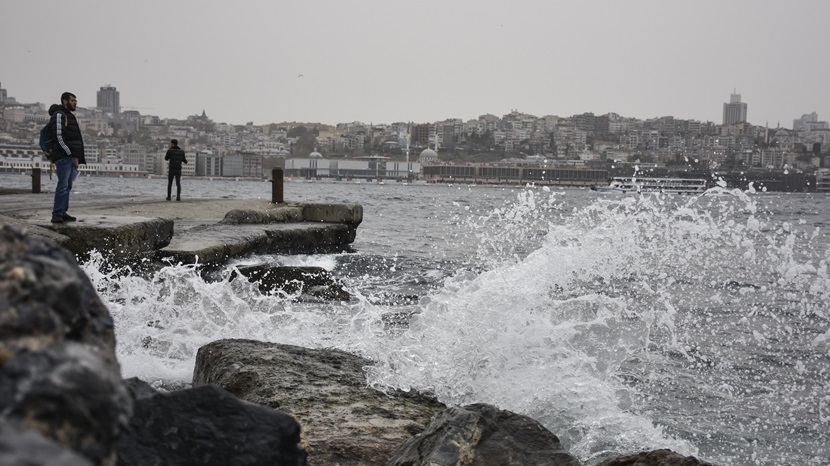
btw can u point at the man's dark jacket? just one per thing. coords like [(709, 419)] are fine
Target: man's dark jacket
[(176, 157), (64, 130)]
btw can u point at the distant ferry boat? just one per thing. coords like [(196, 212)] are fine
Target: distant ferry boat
[(654, 185)]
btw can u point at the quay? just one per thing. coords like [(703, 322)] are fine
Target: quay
[(133, 229)]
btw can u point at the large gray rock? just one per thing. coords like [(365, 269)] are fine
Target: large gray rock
[(482, 435), (59, 374), (206, 425), (662, 457), (315, 282), (20, 446), (344, 422)]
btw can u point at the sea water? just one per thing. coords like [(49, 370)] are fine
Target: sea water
[(621, 322)]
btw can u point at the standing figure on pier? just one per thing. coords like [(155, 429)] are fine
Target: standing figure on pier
[(174, 170), (67, 153)]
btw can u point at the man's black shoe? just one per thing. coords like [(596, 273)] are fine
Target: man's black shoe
[(57, 219), (68, 218), (168, 198)]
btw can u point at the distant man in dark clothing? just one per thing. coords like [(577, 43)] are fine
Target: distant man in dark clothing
[(67, 153), (174, 170)]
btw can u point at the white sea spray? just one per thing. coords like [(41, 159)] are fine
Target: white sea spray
[(693, 323)]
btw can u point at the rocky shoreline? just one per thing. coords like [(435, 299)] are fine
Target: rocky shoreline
[(63, 401)]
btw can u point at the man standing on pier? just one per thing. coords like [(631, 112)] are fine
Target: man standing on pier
[(67, 153), (174, 170)]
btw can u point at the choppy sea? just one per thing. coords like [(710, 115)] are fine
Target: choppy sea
[(621, 322)]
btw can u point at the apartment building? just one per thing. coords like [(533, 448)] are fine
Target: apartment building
[(734, 112)]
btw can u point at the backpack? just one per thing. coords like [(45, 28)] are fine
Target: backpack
[(47, 142)]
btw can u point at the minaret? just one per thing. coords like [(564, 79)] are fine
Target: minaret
[(408, 140)]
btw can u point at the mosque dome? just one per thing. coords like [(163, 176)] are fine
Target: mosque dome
[(315, 154), (428, 155)]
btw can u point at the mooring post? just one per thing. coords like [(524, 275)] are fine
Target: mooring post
[(36, 180), (276, 185)]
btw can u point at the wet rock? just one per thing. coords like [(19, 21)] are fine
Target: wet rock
[(20, 446), (58, 372), (482, 435), (32, 229), (312, 281), (344, 422), (206, 425), (734, 285), (662, 457)]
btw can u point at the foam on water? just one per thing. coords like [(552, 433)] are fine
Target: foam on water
[(631, 323)]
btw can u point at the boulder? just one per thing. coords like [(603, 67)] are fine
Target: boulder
[(315, 282), (58, 371), (20, 446), (206, 425), (344, 421), (662, 457), (482, 435)]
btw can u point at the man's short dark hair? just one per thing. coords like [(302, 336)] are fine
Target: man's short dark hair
[(175, 142), (67, 96)]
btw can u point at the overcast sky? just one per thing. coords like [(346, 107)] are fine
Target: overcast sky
[(383, 61)]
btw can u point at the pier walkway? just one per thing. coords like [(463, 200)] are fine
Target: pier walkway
[(205, 231)]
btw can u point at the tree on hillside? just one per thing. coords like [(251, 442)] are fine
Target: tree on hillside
[(297, 131), (304, 145), (480, 141)]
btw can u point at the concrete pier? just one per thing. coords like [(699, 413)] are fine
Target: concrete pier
[(126, 229)]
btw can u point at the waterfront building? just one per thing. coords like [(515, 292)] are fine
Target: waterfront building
[(823, 180), (375, 168), (19, 152), (35, 159), (539, 173), (242, 164), (208, 164), (28, 151), (135, 154)]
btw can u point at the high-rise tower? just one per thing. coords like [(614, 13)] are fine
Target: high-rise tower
[(109, 99), (735, 111)]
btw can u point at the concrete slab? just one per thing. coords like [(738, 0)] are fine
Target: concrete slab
[(125, 228)]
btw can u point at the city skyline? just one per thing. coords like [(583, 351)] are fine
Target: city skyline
[(328, 62)]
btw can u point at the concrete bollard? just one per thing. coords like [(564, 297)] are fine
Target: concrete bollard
[(276, 185), (36, 180)]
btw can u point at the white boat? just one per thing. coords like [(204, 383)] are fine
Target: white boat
[(654, 185)]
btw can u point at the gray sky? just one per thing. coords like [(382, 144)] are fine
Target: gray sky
[(382, 61)]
